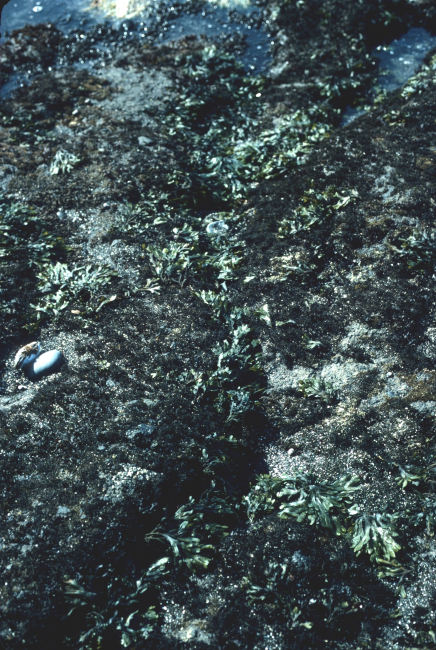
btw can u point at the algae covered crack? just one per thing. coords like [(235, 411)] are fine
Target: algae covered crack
[(418, 249), (24, 235), (233, 386), (62, 287), (198, 529), (114, 612), (327, 505), (375, 533), (307, 498), (219, 112)]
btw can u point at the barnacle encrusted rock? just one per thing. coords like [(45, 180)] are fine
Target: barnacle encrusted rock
[(26, 355)]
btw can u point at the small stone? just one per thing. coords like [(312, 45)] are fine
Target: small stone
[(217, 228), (44, 365), (142, 429), (143, 141), (150, 402), (63, 511)]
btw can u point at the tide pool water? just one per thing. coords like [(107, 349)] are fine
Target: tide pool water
[(132, 8), (401, 59), (398, 62), (213, 20), (65, 14)]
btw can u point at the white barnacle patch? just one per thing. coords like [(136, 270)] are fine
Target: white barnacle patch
[(424, 408), (26, 355), (62, 511), (126, 482), (428, 347), (372, 342), (342, 376)]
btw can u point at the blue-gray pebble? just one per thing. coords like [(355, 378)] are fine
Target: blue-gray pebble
[(142, 429), (44, 365)]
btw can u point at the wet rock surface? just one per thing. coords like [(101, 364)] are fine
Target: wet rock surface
[(301, 344), (46, 364)]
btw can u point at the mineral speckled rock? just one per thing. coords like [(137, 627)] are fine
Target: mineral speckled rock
[(46, 364), (10, 403)]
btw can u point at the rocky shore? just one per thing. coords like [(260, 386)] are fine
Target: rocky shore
[(239, 449)]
